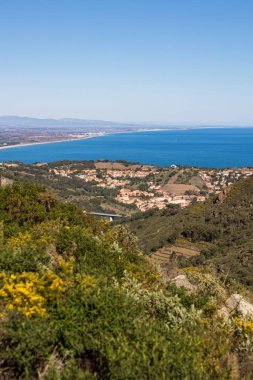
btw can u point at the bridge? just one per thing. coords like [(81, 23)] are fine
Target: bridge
[(110, 217)]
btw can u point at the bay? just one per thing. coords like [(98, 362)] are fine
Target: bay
[(209, 147)]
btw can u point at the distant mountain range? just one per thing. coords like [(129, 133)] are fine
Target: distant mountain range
[(29, 122), (12, 121)]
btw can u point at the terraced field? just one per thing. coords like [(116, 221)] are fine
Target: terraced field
[(162, 256)]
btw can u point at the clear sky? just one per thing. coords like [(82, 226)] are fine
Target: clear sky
[(128, 60)]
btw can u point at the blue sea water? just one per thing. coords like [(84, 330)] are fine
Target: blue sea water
[(212, 147)]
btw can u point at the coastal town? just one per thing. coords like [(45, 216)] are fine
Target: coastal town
[(122, 187), (146, 187)]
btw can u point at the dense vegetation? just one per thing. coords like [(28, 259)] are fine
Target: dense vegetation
[(78, 300)]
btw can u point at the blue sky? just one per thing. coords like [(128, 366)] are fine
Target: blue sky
[(172, 61)]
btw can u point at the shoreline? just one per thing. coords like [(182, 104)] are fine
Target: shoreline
[(47, 142), (99, 134)]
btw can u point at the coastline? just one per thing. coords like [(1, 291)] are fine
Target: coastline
[(47, 142), (99, 134)]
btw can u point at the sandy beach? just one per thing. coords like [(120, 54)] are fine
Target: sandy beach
[(50, 142), (99, 134)]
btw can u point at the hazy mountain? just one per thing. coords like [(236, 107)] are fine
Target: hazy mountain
[(29, 122)]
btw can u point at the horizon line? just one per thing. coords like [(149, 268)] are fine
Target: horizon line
[(168, 123)]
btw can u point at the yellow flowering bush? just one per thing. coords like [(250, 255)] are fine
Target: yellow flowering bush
[(19, 240), (40, 236), (20, 292), (28, 292), (245, 326), (243, 332)]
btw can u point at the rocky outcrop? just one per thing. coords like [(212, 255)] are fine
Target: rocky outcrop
[(234, 303), (182, 281)]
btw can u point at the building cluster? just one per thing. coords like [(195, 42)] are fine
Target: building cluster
[(146, 200), (215, 180), (113, 178), (125, 182), (63, 172)]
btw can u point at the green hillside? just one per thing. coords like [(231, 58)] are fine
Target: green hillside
[(69, 188), (221, 228), (78, 300)]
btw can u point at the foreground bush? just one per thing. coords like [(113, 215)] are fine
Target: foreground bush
[(79, 301)]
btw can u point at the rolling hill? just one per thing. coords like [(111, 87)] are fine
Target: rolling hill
[(221, 229)]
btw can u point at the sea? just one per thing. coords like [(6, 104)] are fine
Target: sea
[(207, 147)]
